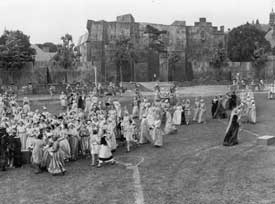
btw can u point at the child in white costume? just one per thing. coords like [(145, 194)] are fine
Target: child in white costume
[(177, 115), (196, 109), (157, 133), (63, 100), (188, 115), (94, 143), (129, 133), (252, 112), (202, 112), (144, 131), (105, 153)]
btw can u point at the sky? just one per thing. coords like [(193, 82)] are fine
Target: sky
[(48, 20)]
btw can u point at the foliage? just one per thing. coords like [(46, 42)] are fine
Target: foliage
[(51, 46), (244, 40), (125, 52), (259, 55), (67, 56), (15, 49), (219, 58), (173, 58), (154, 35)]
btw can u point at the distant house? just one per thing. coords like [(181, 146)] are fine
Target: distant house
[(42, 58)]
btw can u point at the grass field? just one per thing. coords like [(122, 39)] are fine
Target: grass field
[(191, 168)]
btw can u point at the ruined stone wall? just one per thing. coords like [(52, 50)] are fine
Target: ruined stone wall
[(203, 39), (193, 44)]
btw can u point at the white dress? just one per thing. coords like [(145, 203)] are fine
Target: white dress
[(94, 142), (144, 131), (63, 100), (169, 128), (177, 115), (157, 134), (253, 114)]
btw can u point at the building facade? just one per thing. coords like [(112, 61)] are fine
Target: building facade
[(193, 47)]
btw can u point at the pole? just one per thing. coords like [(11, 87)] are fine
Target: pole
[(95, 69)]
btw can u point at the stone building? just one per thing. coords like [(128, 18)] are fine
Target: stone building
[(193, 47)]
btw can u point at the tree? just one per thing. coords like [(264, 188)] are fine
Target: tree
[(244, 40), (125, 52), (15, 49), (219, 58), (67, 55), (51, 46)]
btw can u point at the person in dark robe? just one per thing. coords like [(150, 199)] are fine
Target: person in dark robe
[(231, 136), (3, 149), (215, 102), (220, 111), (183, 120), (233, 101), (80, 102), (14, 148)]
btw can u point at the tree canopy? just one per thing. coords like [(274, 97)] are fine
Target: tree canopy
[(66, 55), (51, 46), (15, 49), (244, 43), (219, 57)]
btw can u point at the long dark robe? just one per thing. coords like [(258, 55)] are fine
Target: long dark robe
[(233, 102), (231, 137), (80, 103), (15, 151), (3, 148), (183, 120), (214, 108), (220, 111)]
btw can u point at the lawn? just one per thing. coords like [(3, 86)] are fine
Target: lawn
[(191, 168)]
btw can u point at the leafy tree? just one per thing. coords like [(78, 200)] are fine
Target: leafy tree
[(155, 39), (219, 58), (125, 52), (244, 40), (51, 46), (67, 56), (15, 49)]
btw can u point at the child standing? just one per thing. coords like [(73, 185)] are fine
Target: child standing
[(187, 110), (196, 109), (130, 133), (177, 116), (202, 112), (94, 143), (105, 153), (84, 139), (37, 153)]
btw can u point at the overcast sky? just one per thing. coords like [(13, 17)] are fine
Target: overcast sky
[(48, 20)]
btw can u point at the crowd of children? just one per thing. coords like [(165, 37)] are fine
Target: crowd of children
[(93, 128)]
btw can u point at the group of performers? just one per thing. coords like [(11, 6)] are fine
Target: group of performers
[(87, 127), (90, 127)]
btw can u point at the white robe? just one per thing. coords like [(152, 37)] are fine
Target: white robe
[(177, 115)]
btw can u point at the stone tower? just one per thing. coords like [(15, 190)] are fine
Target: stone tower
[(272, 18)]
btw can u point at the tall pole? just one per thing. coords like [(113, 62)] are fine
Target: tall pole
[(95, 69)]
